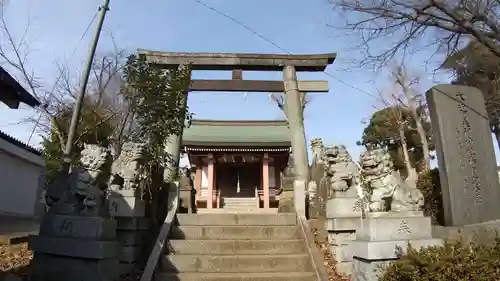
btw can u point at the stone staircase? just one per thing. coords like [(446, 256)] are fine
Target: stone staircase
[(236, 247), (240, 203)]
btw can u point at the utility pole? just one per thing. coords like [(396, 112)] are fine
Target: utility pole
[(83, 88)]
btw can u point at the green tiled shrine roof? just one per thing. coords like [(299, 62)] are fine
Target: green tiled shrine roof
[(237, 133)]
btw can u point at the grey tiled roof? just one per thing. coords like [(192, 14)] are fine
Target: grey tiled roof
[(19, 143)]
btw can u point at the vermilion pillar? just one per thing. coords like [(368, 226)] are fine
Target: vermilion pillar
[(265, 180)]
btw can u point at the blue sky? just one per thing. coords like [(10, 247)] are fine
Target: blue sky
[(185, 25)]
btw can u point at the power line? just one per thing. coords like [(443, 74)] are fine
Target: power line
[(327, 73), (62, 72), (278, 46)]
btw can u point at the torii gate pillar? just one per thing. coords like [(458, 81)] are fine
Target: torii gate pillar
[(293, 111)]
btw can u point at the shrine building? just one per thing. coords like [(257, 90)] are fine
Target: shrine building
[(238, 163)]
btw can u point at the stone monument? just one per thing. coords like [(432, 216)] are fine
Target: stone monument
[(343, 207), (127, 204), (467, 164), (393, 220), (77, 238)]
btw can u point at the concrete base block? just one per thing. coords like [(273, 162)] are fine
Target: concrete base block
[(342, 253), (384, 236), (378, 250), (132, 223), (78, 227), (341, 238), (344, 267), (75, 248), (120, 206), (131, 238), (126, 268), (364, 270), (130, 254), (50, 268), (343, 223), (390, 226), (343, 207)]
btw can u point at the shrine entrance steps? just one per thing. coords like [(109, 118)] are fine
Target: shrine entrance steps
[(236, 247), (237, 203), (238, 211)]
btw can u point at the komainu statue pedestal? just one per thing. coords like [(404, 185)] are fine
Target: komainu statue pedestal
[(383, 236), (128, 207), (344, 207), (394, 219), (343, 213), (71, 247), (77, 238)]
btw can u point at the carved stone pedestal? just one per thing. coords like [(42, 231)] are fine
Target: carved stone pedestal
[(133, 234), (71, 247), (126, 203), (128, 209), (383, 235), (343, 213)]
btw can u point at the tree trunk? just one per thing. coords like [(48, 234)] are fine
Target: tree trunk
[(404, 147), (420, 129), (425, 144)]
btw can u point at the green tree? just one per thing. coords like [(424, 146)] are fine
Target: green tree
[(383, 129), (95, 127), (475, 65), (159, 97)]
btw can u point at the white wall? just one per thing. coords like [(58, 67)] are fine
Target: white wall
[(20, 180), (204, 177)]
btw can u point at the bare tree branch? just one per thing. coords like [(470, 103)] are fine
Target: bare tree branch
[(409, 25), (406, 84)]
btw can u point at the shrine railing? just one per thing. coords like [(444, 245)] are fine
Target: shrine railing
[(205, 197), (273, 194)]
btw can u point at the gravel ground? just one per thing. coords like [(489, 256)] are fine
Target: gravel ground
[(16, 260)]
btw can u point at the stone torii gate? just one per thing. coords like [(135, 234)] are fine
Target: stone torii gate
[(293, 89)]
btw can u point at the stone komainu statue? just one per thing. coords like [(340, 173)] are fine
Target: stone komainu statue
[(127, 171), (186, 178), (384, 182), (87, 184), (341, 173), (317, 149)]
